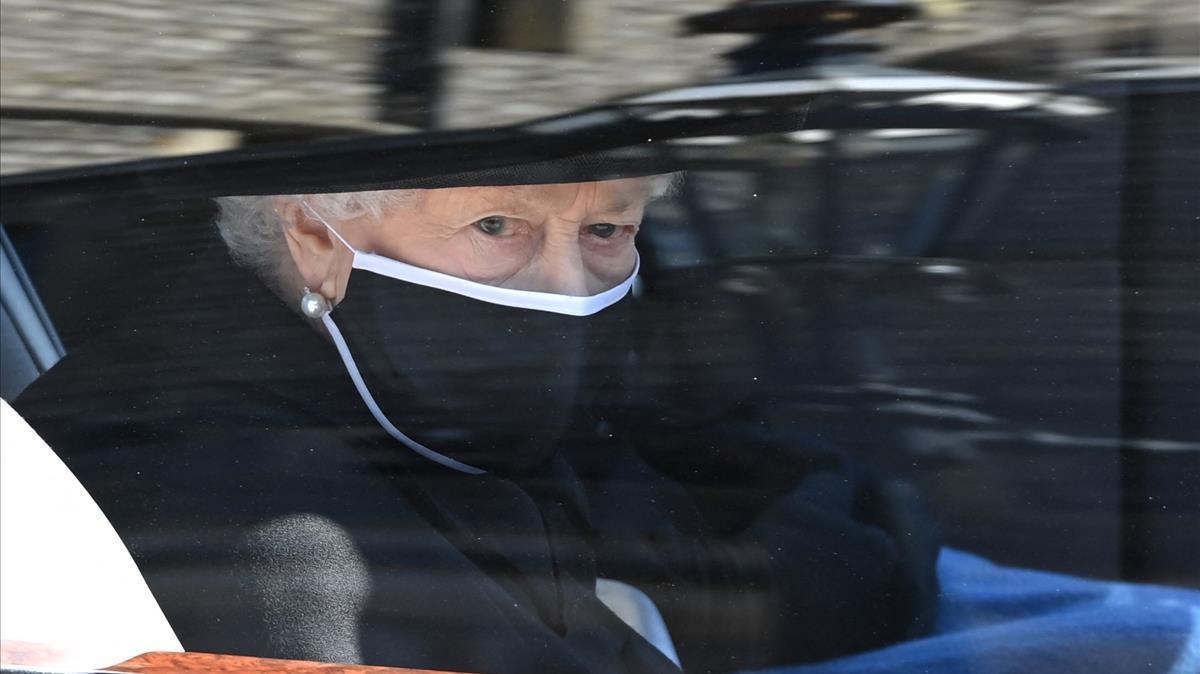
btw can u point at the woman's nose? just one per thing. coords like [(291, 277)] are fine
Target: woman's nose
[(563, 271)]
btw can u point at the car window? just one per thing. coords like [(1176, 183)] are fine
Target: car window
[(580, 336)]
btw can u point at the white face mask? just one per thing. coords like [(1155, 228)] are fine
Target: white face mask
[(485, 374)]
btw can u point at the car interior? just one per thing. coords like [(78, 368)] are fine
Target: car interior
[(953, 247)]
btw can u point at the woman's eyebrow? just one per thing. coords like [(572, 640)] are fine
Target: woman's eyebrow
[(625, 213), (527, 201), (622, 204), (482, 205), (624, 201)]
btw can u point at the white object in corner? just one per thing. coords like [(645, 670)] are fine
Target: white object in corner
[(66, 580)]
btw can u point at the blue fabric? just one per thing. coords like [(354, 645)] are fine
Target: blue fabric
[(997, 620)]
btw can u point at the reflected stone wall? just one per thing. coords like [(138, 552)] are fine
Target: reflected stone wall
[(302, 61), (305, 62), (1054, 40), (614, 49), (33, 145), (295, 60), (349, 65)]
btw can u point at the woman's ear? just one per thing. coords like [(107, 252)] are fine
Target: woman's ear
[(322, 261)]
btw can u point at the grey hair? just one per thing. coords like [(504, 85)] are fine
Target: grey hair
[(253, 229), (666, 184)]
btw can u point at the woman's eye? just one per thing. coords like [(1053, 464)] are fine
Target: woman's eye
[(603, 230), (493, 225)]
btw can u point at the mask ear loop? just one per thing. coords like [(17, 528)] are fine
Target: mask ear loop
[(307, 294), (328, 226), (361, 385), (365, 393)]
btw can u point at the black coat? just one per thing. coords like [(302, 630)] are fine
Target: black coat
[(271, 516)]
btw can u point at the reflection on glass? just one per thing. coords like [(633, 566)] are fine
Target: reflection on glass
[(527, 336)]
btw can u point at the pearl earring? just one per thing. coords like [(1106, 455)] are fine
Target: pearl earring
[(313, 305)]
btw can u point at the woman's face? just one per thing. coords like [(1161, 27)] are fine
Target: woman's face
[(570, 239)]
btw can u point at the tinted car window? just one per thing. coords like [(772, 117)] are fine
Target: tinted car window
[(350, 317)]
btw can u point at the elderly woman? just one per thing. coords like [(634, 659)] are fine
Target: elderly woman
[(382, 466)]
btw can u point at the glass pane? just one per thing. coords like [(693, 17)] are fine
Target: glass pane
[(612, 337)]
